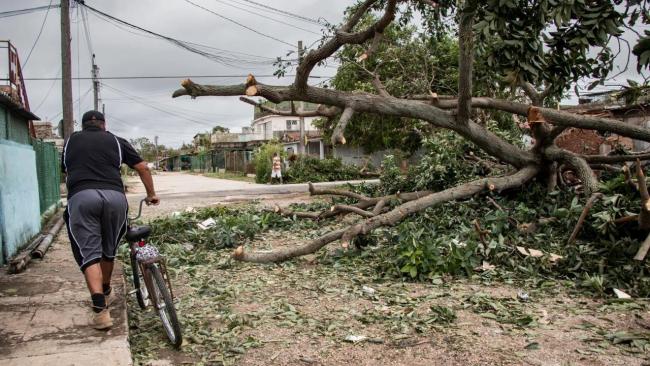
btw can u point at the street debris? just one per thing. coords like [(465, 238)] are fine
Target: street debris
[(205, 225), (621, 295), (368, 290), (355, 338)]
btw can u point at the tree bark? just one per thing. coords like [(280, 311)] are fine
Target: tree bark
[(462, 191)]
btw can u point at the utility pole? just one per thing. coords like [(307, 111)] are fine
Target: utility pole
[(95, 74), (66, 68), (155, 141), (301, 144)]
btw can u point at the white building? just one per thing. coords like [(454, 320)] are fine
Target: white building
[(286, 129), (273, 126)]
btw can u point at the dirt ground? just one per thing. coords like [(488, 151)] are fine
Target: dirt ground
[(334, 309)]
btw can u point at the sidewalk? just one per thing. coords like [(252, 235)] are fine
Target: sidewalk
[(44, 313)]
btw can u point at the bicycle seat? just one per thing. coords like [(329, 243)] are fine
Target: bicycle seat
[(137, 233)]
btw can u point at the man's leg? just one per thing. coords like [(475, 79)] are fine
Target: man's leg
[(93, 275), (84, 229), (107, 273), (113, 223)]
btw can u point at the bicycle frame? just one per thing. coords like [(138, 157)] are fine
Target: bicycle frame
[(150, 273), (144, 263)]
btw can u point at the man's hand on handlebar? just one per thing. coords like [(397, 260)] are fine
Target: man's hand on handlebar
[(152, 200)]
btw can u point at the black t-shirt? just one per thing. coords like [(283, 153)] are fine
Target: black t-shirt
[(92, 159)]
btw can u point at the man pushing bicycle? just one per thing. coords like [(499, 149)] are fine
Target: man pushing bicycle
[(97, 207)]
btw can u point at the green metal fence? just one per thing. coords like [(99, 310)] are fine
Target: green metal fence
[(48, 170)]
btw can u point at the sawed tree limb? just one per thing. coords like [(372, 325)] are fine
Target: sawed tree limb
[(392, 217), (581, 220)]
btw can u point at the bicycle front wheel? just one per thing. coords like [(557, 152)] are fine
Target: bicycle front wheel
[(165, 306), (141, 292)]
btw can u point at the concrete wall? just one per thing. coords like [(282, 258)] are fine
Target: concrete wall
[(356, 155), (279, 123), (20, 217)]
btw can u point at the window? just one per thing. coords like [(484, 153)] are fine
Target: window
[(291, 123)]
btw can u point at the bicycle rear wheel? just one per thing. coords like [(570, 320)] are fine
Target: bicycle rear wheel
[(165, 306), (141, 292)]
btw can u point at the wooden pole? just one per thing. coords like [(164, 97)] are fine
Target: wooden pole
[(301, 143), (95, 74), (66, 67)]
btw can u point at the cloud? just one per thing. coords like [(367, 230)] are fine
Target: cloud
[(144, 107)]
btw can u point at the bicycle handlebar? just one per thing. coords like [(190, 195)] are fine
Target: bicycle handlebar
[(139, 210)]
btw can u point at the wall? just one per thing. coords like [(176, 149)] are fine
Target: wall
[(20, 217), (13, 127), (279, 123), (355, 155)]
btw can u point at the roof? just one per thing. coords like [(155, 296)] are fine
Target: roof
[(5, 99)]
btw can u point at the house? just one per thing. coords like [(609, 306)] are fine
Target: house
[(29, 167), (286, 129), (607, 105)]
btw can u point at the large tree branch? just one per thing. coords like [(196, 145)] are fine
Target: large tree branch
[(275, 94), (558, 118), (342, 37), (459, 192), (339, 129), (581, 167), (462, 191), (321, 111), (600, 159), (372, 103), (465, 61)]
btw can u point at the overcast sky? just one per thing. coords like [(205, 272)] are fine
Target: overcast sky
[(144, 107), (121, 53)]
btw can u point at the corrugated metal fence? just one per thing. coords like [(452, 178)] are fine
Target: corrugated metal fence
[(49, 174)]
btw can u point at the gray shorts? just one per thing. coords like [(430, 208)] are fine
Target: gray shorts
[(96, 222)]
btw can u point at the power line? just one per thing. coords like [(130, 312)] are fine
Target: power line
[(160, 109), (230, 60), (131, 77), (78, 101), (268, 17), (11, 13), (87, 32), (24, 65), (49, 90), (240, 24), (284, 12)]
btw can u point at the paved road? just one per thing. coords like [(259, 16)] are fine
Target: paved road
[(176, 185)]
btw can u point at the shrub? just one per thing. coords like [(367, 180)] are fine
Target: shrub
[(263, 160), (446, 239), (310, 169)]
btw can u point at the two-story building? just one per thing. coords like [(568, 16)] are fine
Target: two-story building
[(286, 129)]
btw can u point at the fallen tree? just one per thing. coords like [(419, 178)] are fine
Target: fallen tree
[(538, 75)]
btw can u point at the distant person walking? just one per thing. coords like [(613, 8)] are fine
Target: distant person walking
[(96, 212), (276, 168)]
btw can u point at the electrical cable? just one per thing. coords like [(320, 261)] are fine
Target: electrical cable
[(230, 60), (268, 17), (286, 13), (165, 111), (11, 13), (47, 94), (240, 24), (24, 64), (78, 101), (87, 32), (134, 77)]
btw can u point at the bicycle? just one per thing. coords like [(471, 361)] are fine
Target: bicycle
[(148, 268)]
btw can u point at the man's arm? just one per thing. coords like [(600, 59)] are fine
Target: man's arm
[(145, 176)]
